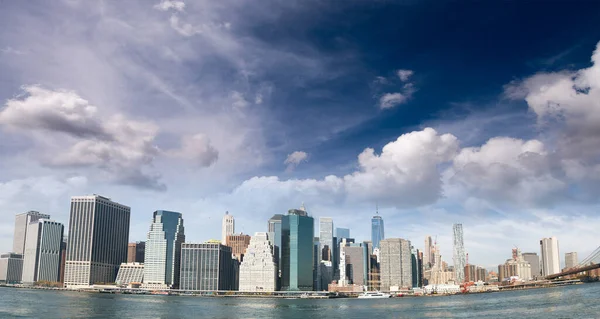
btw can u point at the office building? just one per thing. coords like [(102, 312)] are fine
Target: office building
[(21, 223), (274, 227), (297, 235), (42, 258), (377, 233), (258, 271), (63, 260), (98, 237), (428, 249), (227, 227), (534, 261), (459, 257), (417, 268), (550, 256), (317, 274), (396, 264), (481, 274), (11, 268), (136, 252), (130, 274), (342, 232), (326, 238), (518, 267), (354, 263), (238, 244), (163, 249), (207, 266), (571, 260)]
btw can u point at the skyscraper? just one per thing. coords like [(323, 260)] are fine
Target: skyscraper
[(238, 244), (571, 260), (377, 233), (42, 258), (326, 238), (163, 249), (98, 236), (21, 223), (427, 259), (227, 228), (274, 228), (534, 261), (459, 254), (258, 271), (207, 266), (342, 233), (396, 263), (297, 234), (136, 252), (550, 256)]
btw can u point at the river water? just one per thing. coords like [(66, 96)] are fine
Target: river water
[(580, 301)]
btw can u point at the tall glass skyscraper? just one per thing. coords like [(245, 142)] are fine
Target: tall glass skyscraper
[(163, 249), (377, 233), (297, 235), (342, 233), (326, 238)]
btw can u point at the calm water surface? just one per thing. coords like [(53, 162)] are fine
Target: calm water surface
[(579, 301)]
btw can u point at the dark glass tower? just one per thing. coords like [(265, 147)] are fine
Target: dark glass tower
[(297, 235)]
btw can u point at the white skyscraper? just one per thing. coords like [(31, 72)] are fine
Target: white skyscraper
[(571, 260), (427, 258), (550, 256), (163, 249), (258, 271), (42, 258), (228, 228), (459, 254), (21, 223)]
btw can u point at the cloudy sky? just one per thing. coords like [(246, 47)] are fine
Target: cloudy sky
[(486, 115)]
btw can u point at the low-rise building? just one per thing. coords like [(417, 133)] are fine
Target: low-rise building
[(11, 268), (130, 274)]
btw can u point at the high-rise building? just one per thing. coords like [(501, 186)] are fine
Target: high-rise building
[(427, 258), (396, 264), (317, 274), (258, 271), (571, 260), (163, 249), (136, 252), (417, 268), (98, 237), (534, 261), (63, 260), (207, 266), (326, 238), (227, 227), (354, 266), (42, 258), (517, 266), (550, 256), (377, 233), (275, 234), (130, 273), (238, 244), (297, 235), (481, 274), (21, 223), (11, 268), (459, 253), (326, 255), (342, 233)]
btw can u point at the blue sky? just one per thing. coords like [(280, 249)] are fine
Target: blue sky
[(439, 112)]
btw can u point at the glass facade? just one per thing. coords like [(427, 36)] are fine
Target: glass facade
[(342, 233), (207, 266), (297, 234), (377, 233), (163, 248)]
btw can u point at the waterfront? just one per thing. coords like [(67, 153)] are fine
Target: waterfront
[(578, 301)]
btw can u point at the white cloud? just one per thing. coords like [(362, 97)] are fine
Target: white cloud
[(404, 75), (294, 159), (11, 50), (389, 100), (166, 5), (238, 100)]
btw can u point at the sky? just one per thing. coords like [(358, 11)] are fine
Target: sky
[(436, 112)]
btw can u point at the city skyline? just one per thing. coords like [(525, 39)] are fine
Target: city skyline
[(207, 107)]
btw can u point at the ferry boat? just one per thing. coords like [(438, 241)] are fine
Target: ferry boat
[(374, 295)]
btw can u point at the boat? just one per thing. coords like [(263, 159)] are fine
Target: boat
[(374, 295)]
